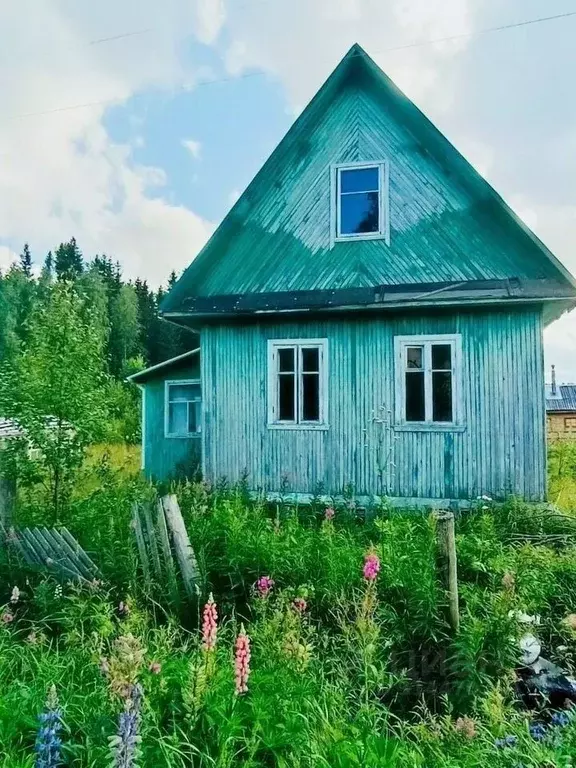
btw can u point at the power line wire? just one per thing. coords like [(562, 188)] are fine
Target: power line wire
[(263, 73)]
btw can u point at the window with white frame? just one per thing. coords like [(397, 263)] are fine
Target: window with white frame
[(428, 372), (361, 201), (297, 383), (183, 404)]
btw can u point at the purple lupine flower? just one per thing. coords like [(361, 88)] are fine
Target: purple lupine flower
[(371, 567), (48, 743), (124, 746), (264, 586)]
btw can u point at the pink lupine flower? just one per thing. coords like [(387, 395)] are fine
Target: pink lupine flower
[(329, 513), (209, 624), (242, 662), (264, 586), (155, 667), (371, 567), (299, 604), (7, 617)]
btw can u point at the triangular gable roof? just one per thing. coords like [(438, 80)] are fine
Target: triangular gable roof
[(206, 289)]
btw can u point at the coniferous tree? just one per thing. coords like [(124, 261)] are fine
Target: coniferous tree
[(26, 261), (69, 263)]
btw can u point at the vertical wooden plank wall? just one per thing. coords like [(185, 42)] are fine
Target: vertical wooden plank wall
[(500, 452), (166, 457)]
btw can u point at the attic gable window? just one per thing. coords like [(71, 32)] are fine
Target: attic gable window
[(297, 384), (182, 408), (360, 201), (428, 382)]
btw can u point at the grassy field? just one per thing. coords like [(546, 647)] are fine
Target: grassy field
[(352, 661)]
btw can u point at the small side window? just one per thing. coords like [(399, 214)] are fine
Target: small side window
[(183, 409)]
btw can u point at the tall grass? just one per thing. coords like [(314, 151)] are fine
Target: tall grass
[(344, 671)]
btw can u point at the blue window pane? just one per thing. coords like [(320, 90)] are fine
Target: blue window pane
[(178, 419), (181, 393), (359, 213), (359, 180)]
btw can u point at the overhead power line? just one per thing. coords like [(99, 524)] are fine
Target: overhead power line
[(263, 73)]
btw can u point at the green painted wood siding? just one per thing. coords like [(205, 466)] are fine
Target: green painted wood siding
[(500, 452), (446, 224), (165, 458)]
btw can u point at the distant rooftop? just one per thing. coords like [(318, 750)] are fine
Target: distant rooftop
[(560, 397), (9, 428)]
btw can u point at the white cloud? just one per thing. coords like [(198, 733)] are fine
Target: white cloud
[(302, 42), (210, 16), (233, 196), (193, 146), (7, 257), (60, 173)]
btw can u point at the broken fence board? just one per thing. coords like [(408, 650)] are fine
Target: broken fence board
[(152, 543), (167, 553), (89, 564), (140, 542), (184, 552)]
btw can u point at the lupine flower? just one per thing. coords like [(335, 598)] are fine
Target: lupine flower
[(48, 743), (209, 624), (371, 567), (466, 726), (242, 662), (561, 719), (570, 621), (264, 586), (15, 596), (57, 591), (299, 604), (7, 617), (32, 638), (155, 667), (508, 581), (538, 731), (329, 513), (124, 746), (507, 741), (123, 609)]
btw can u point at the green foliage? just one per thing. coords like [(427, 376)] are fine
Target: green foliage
[(343, 672), (54, 389)]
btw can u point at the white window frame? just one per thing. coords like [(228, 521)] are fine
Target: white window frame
[(401, 344), (383, 198), (179, 382), (273, 390)]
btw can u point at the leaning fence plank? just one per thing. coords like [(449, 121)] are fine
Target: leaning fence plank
[(59, 558), (152, 543), (140, 542), (72, 553), (167, 553), (60, 554), (43, 556), (32, 547), (79, 552), (184, 552), (12, 538)]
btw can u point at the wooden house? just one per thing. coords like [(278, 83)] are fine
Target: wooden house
[(370, 315), (560, 410)]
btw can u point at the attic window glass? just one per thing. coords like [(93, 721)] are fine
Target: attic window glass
[(361, 201), (428, 380), (297, 383), (183, 402)]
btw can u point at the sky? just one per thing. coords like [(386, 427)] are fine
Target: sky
[(133, 125)]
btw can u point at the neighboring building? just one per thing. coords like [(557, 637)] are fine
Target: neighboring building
[(370, 315), (560, 410), (171, 417)]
